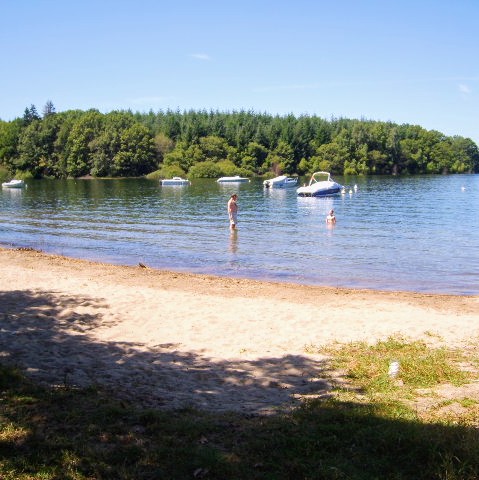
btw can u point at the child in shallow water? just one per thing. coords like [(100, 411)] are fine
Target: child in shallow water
[(331, 218)]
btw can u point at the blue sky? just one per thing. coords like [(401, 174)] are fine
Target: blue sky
[(409, 61)]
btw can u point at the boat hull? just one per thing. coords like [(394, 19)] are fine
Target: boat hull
[(176, 181), (281, 182), (319, 192), (14, 184), (232, 180)]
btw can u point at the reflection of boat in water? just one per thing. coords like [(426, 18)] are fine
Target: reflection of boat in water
[(235, 179), (310, 205), (175, 181), (320, 185), (13, 184), (281, 182)]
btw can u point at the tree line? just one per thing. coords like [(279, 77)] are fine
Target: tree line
[(77, 143)]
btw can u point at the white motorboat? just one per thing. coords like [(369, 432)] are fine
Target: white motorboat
[(281, 182), (175, 181), (13, 184), (235, 179), (320, 185)]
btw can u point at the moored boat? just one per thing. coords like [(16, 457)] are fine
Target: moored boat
[(282, 181), (13, 184), (175, 181), (235, 179), (320, 185)]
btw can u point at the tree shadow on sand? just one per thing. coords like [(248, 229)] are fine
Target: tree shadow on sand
[(45, 335)]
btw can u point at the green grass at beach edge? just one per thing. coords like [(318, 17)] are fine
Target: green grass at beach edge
[(369, 428)]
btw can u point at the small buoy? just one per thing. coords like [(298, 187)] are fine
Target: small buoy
[(355, 187)]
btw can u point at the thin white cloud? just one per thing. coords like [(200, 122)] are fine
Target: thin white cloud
[(201, 56), (464, 89)]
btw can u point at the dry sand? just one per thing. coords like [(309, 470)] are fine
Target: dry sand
[(172, 340)]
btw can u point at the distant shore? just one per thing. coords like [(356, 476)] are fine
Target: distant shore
[(167, 339)]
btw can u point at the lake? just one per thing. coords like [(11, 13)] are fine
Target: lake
[(394, 233)]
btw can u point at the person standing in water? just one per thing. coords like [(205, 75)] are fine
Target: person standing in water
[(233, 211)]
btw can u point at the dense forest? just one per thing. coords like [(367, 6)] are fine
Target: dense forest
[(204, 143)]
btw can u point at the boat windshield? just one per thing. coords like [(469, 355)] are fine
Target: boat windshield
[(320, 177)]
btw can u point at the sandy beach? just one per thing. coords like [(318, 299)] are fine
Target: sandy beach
[(172, 340)]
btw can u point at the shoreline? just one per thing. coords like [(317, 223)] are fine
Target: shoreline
[(271, 281), (169, 340)]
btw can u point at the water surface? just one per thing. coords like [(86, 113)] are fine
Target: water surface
[(393, 233)]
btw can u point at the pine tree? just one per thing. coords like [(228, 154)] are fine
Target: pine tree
[(48, 109)]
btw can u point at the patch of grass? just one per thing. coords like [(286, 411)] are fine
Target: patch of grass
[(9, 376), (420, 366), (367, 431), (469, 403)]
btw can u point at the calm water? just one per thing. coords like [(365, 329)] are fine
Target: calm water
[(418, 234)]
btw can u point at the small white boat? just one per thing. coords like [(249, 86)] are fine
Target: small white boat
[(13, 184), (281, 182), (320, 185), (235, 179), (175, 181)]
